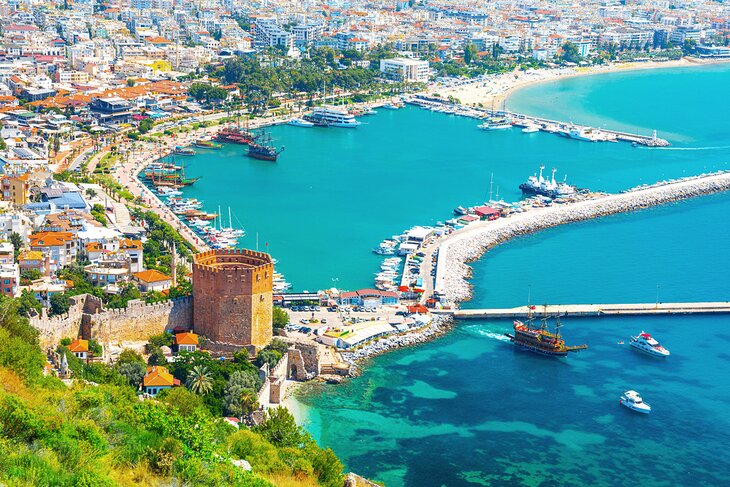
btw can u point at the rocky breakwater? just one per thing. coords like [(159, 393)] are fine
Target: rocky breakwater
[(472, 242), (438, 325)]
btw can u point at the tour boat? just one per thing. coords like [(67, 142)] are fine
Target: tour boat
[(300, 122), (540, 340), (496, 124), (331, 116), (647, 344), (633, 401), (184, 151)]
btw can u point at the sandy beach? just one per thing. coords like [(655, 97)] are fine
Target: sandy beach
[(497, 89)]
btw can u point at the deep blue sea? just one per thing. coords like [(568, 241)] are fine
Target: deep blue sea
[(469, 409)]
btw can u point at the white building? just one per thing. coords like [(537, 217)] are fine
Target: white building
[(404, 69)]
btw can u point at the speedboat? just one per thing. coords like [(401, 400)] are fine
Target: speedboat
[(633, 401), (647, 344), (300, 122)]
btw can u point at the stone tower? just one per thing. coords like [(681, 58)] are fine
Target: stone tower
[(232, 298)]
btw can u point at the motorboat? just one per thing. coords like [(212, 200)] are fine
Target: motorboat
[(300, 122), (530, 129), (647, 344), (633, 401)]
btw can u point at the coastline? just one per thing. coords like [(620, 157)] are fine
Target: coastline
[(498, 90), (459, 249)]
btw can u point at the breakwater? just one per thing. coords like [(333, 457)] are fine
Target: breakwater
[(438, 325), (457, 250)]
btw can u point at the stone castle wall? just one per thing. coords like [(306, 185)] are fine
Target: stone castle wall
[(136, 322)]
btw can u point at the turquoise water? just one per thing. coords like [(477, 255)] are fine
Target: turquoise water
[(335, 193), (469, 409)]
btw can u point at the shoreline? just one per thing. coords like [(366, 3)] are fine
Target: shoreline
[(458, 250), (497, 90)]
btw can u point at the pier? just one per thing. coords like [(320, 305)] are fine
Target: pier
[(467, 244), (594, 310), (543, 124)]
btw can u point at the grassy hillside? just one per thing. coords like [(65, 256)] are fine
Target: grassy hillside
[(98, 435)]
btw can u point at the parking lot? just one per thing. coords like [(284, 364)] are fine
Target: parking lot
[(305, 319)]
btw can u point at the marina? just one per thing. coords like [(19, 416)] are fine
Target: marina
[(504, 119)]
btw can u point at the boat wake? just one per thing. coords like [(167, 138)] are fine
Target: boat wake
[(720, 147), (478, 330)]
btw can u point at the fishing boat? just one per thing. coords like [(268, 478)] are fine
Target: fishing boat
[(207, 144), (183, 151), (234, 135), (538, 185), (262, 148), (540, 340)]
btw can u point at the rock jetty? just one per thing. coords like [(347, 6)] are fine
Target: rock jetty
[(439, 325), (472, 242)]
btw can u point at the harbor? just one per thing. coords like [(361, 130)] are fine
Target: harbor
[(505, 119)]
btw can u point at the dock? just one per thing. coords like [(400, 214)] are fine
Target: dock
[(542, 124), (592, 310)]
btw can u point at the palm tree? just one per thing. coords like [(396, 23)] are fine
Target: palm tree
[(199, 380), (249, 402)]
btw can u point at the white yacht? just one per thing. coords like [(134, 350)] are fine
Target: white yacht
[(587, 134), (331, 116), (530, 129), (647, 344), (300, 122), (633, 401), (496, 124)]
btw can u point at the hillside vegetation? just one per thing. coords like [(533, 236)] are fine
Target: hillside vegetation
[(98, 435)]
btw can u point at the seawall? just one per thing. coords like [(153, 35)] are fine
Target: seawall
[(471, 243)]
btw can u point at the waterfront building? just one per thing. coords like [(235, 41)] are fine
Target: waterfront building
[(368, 298), (233, 297), (404, 69)]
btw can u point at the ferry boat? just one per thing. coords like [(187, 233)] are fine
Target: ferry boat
[(300, 122), (207, 144), (647, 344), (331, 116), (234, 135), (633, 401), (540, 340), (261, 147), (538, 185), (183, 151), (496, 124)]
